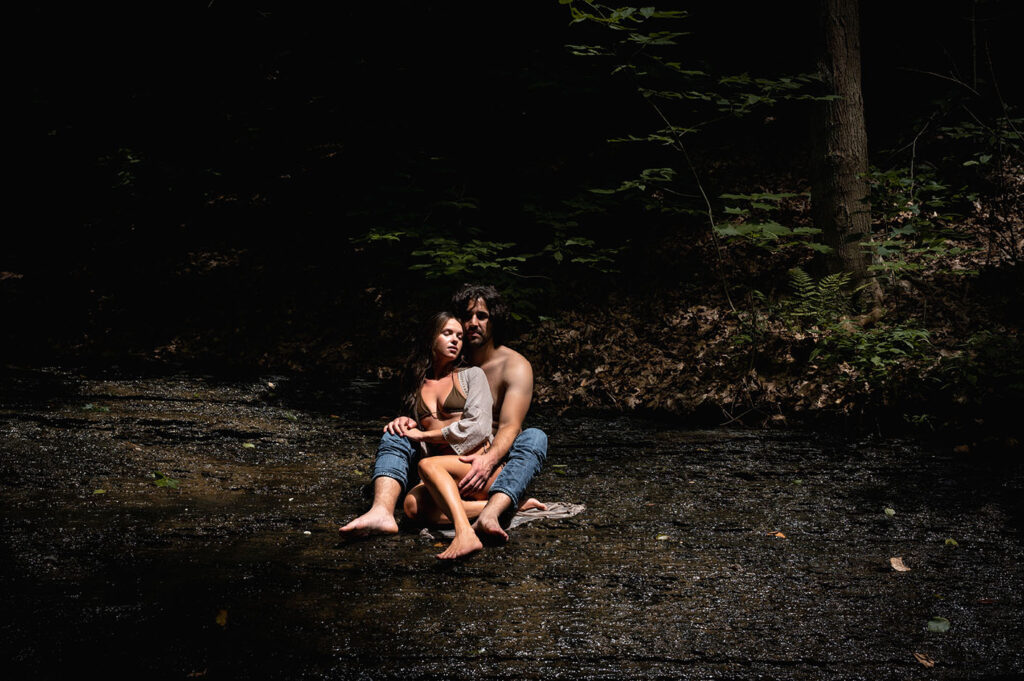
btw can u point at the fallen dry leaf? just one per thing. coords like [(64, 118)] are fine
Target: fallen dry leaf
[(777, 534), (898, 565), (924, 659), (222, 618)]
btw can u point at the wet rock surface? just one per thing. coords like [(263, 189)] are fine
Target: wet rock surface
[(712, 554)]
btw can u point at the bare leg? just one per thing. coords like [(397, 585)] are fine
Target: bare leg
[(420, 507), (380, 519), (440, 475)]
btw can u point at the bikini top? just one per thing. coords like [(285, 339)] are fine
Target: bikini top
[(454, 403)]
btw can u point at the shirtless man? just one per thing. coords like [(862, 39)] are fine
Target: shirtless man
[(510, 377)]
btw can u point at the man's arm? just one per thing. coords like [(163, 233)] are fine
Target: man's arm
[(518, 395)]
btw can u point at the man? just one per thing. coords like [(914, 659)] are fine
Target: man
[(510, 376)]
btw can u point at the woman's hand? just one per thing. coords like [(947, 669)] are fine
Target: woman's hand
[(415, 434), (400, 425)]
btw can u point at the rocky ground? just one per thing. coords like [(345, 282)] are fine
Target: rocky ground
[(184, 526)]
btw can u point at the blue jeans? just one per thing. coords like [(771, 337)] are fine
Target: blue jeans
[(397, 458)]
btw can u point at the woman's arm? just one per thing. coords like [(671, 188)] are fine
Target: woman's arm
[(431, 436)]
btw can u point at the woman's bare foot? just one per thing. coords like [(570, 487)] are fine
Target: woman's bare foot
[(374, 521), (463, 545), (532, 503)]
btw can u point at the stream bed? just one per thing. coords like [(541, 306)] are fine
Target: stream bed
[(731, 554)]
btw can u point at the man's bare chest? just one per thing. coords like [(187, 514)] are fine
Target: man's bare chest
[(495, 372)]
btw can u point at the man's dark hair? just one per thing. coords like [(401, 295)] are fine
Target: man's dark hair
[(469, 293)]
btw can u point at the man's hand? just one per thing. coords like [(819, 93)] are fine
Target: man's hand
[(400, 425), (481, 466)]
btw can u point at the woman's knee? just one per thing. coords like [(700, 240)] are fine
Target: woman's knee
[(427, 466), (411, 506)]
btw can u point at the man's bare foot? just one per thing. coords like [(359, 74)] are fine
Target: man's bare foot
[(463, 545), (488, 528), (532, 503), (374, 521)]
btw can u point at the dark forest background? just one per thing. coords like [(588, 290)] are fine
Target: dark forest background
[(230, 186)]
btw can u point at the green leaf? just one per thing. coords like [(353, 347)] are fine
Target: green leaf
[(728, 230), (587, 50), (773, 227), (161, 480), (248, 445), (939, 625), (952, 542), (890, 511)]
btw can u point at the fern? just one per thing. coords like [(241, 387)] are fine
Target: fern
[(824, 301), (803, 289)]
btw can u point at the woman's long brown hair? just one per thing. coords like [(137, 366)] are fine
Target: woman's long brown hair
[(421, 360)]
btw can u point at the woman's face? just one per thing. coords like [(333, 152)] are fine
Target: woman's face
[(448, 343)]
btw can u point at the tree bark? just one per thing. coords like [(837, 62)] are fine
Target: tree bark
[(839, 191)]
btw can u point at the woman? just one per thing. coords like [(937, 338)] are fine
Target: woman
[(452, 405)]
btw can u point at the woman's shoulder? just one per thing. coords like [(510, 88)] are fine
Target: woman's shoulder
[(472, 373), (471, 376)]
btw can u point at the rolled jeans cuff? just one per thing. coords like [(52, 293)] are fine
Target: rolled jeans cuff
[(525, 458), (396, 458)]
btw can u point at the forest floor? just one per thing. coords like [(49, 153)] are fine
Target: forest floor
[(185, 526)]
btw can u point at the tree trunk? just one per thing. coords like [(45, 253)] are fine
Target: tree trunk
[(839, 190)]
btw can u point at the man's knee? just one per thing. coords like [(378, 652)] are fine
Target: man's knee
[(396, 444), (532, 441)]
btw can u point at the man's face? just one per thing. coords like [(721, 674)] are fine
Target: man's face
[(477, 321)]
